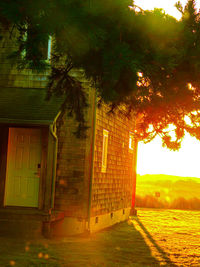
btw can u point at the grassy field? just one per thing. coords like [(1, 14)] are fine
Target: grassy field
[(167, 191), (153, 238)]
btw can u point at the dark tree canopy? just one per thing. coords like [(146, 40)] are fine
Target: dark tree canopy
[(146, 60)]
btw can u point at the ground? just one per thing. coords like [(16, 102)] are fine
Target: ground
[(153, 238)]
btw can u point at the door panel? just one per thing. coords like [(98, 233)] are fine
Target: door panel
[(22, 179), (18, 159)]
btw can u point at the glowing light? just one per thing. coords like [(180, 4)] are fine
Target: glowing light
[(152, 157), (46, 256), (27, 248), (167, 5), (40, 255)]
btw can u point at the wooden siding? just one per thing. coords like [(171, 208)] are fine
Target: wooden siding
[(70, 170), (10, 76), (112, 189), (74, 165)]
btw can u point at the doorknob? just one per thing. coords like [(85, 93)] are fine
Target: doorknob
[(38, 172)]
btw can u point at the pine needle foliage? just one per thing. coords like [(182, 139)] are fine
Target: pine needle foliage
[(145, 60)]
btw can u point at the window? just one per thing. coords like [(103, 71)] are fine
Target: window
[(44, 49), (131, 141), (104, 151)]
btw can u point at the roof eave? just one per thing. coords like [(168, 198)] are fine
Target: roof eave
[(26, 122)]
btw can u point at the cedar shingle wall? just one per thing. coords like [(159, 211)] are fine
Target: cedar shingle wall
[(10, 76), (73, 165), (112, 190), (70, 170)]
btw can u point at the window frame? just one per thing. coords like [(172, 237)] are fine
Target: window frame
[(49, 48), (104, 151), (131, 141)]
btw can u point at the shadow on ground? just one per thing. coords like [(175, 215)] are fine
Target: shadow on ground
[(163, 256), (121, 245)]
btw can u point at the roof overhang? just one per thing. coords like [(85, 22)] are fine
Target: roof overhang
[(28, 106)]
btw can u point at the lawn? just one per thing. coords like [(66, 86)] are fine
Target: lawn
[(153, 238)]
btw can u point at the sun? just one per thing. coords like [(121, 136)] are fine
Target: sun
[(167, 5)]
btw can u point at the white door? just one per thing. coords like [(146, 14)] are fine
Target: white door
[(23, 167)]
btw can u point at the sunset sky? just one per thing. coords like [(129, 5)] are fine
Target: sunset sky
[(152, 157), (167, 5)]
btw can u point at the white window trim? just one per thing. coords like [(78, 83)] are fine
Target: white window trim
[(49, 48), (131, 141), (104, 151)]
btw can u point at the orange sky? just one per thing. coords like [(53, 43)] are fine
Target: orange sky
[(152, 157)]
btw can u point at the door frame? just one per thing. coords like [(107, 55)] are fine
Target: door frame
[(10, 198), (3, 165)]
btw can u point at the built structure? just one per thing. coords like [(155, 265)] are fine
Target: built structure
[(52, 182)]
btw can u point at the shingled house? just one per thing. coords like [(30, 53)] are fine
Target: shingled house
[(51, 181)]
